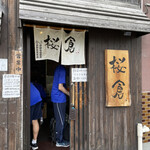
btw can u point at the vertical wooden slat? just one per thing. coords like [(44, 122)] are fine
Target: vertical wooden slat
[(102, 88), (97, 93), (12, 122), (3, 125), (89, 100), (3, 54), (77, 118), (136, 109), (3, 136), (26, 89), (126, 132), (72, 122), (80, 115), (12, 45), (92, 96), (133, 88), (85, 117), (85, 110)]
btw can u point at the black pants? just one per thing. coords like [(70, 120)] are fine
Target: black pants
[(59, 112)]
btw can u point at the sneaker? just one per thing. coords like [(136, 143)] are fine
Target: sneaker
[(62, 144), (66, 142), (34, 146)]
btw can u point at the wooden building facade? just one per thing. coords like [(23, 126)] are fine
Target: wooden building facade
[(111, 24)]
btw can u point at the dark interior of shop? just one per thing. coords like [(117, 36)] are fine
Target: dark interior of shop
[(42, 73)]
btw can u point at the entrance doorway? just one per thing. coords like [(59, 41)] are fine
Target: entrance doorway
[(43, 72)]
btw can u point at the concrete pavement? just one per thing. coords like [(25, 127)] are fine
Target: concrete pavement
[(146, 146)]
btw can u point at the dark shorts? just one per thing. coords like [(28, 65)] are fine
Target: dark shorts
[(35, 112)]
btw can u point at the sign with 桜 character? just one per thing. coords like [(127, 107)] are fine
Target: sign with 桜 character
[(47, 43), (11, 86), (117, 78), (79, 74)]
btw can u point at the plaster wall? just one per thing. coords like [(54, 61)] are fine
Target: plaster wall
[(146, 54), (146, 78)]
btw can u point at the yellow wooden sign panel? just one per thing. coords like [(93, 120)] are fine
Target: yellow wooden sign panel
[(18, 62), (117, 78), (16, 65)]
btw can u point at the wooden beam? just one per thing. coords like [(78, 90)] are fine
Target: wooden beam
[(118, 16), (57, 28)]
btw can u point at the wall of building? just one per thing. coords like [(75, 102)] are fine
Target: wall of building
[(146, 63), (112, 128), (146, 55), (146, 77)]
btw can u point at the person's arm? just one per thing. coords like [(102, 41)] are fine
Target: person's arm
[(63, 89)]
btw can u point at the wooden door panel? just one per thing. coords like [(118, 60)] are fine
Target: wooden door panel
[(78, 125)]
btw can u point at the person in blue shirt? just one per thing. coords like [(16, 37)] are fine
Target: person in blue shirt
[(41, 89), (35, 113), (58, 97), (43, 96)]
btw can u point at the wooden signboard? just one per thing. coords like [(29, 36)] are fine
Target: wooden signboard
[(16, 66), (117, 78), (18, 62)]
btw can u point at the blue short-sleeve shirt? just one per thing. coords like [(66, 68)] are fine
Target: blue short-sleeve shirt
[(41, 89), (59, 78), (35, 96)]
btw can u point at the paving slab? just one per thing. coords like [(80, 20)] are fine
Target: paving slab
[(146, 146)]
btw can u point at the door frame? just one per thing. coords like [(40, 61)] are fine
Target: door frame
[(75, 139), (26, 88)]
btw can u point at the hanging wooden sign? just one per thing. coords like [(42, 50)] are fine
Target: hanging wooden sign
[(117, 78), (18, 62)]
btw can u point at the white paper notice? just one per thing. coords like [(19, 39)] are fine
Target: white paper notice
[(11, 86), (79, 74), (3, 64)]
